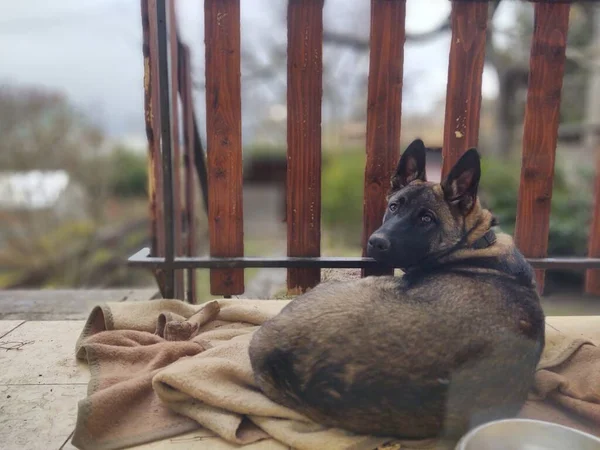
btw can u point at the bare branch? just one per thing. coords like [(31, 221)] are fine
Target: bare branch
[(360, 44)]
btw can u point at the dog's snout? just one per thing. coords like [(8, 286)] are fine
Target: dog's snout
[(380, 243)]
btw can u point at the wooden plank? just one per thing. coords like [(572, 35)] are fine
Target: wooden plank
[(152, 121), (384, 105), (200, 161), (150, 115), (174, 56), (465, 69), (304, 93), (224, 140), (185, 86), (546, 67), (592, 276)]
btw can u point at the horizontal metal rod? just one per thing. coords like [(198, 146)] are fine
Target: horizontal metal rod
[(143, 259)]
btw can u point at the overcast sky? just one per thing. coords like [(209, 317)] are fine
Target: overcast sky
[(92, 50)]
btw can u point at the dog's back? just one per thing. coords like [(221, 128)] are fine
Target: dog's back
[(453, 343)]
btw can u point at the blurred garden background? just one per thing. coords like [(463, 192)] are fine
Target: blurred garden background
[(73, 153)]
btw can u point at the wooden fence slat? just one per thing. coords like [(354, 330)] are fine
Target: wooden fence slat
[(304, 93), (384, 109), (592, 276), (152, 122), (224, 140), (546, 67), (188, 135), (151, 118), (465, 70), (200, 162), (174, 56)]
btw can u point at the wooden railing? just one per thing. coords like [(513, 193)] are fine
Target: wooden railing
[(546, 69), (384, 107), (171, 226), (305, 42)]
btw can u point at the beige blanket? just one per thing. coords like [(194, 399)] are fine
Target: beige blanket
[(163, 368)]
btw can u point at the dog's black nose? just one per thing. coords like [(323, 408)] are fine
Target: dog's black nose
[(380, 243)]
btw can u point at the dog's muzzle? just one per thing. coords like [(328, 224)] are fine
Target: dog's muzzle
[(378, 246)]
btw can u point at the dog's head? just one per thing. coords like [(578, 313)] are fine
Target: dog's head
[(425, 219)]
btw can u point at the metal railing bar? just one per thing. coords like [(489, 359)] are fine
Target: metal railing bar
[(143, 259), (165, 119)]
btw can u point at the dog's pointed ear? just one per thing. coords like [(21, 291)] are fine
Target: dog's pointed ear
[(461, 184), (411, 166)]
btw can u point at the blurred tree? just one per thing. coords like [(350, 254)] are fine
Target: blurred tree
[(129, 174), (73, 245), (41, 130), (511, 62), (512, 65)]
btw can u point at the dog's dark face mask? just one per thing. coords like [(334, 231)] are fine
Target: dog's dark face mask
[(424, 219)]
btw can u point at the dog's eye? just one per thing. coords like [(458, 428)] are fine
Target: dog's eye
[(426, 218), (393, 207)]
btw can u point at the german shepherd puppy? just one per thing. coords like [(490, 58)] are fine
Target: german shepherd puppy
[(450, 345)]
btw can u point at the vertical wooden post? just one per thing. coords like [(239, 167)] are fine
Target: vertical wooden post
[(152, 121), (465, 70), (173, 53), (200, 161), (384, 109), (304, 93), (592, 142), (546, 68), (150, 103), (185, 86), (592, 276), (224, 140)]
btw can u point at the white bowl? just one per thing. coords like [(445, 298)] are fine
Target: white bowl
[(526, 434)]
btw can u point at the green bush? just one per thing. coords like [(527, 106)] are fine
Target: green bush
[(570, 213), (128, 174), (342, 196), (264, 150), (570, 209)]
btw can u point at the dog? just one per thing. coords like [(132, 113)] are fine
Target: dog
[(451, 344)]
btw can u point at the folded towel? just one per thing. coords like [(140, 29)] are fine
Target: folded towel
[(120, 409)]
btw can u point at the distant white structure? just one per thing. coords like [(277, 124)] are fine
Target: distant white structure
[(41, 190)]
